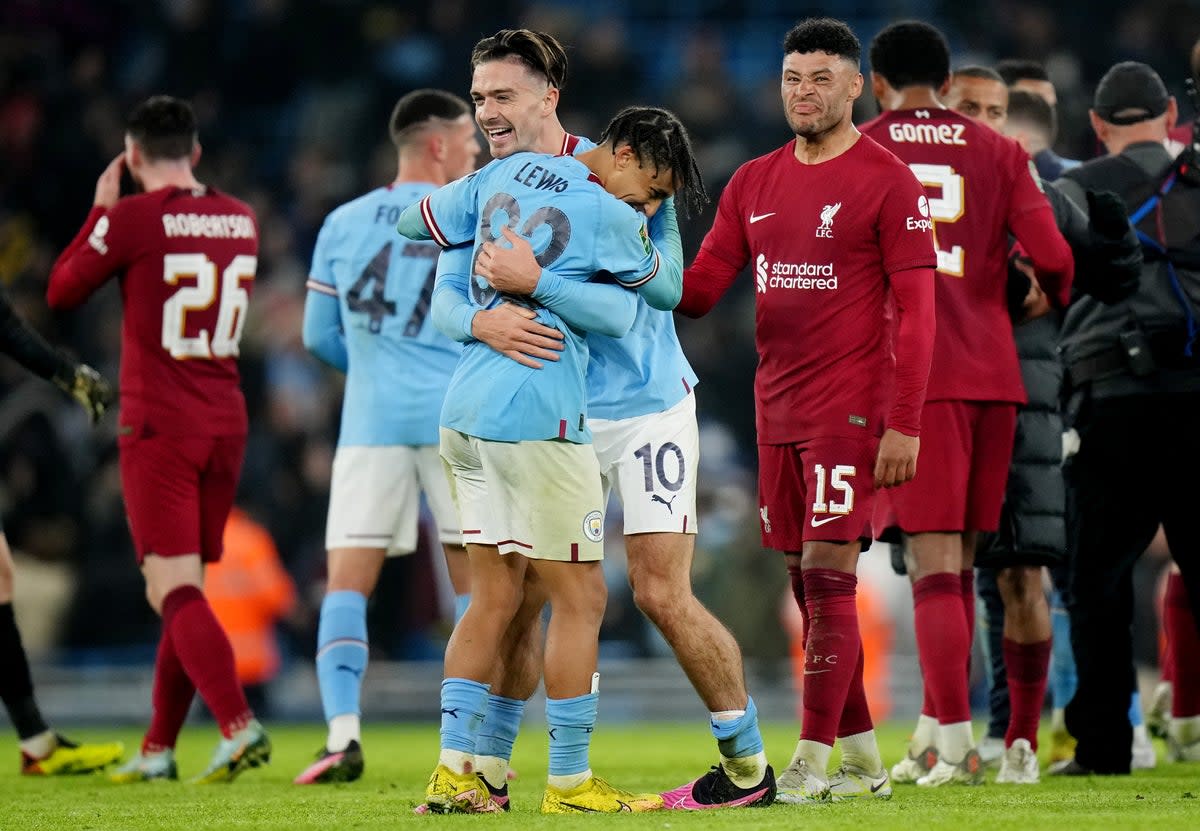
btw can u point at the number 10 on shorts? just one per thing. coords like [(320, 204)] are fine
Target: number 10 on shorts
[(835, 480)]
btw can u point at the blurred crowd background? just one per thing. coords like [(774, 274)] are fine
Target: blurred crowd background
[(293, 98)]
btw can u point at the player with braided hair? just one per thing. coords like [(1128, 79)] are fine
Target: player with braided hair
[(516, 439), (643, 417)]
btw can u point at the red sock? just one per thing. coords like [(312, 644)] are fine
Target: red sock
[(833, 649), (1185, 649), (856, 715), (1028, 666), (173, 693), (796, 577), (204, 651), (942, 644), (966, 578)]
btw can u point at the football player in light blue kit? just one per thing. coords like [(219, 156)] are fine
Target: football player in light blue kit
[(516, 438), (645, 436), (367, 314)]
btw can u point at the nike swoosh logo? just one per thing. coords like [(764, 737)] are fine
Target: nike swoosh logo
[(756, 217), (816, 671), (875, 788), (817, 523)]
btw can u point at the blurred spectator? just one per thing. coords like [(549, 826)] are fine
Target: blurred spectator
[(250, 592)]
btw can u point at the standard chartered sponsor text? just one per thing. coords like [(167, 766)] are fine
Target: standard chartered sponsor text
[(803, 276)]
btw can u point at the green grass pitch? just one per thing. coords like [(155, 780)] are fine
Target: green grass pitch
[(636, 757)]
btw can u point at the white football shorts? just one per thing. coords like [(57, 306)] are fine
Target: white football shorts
[(651, 462), (374, 499), (541, 499)]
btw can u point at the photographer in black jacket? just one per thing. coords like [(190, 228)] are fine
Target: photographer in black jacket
[(1133, 370), (1032, 526)]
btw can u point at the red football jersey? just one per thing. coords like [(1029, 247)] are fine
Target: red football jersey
[(823, 240), (186, 260), (979, 185)]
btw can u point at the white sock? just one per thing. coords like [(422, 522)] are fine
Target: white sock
[(815, 754), (862, 751), (955, 741), (925, 735), (568, 781), (1058, 719), (727, 715), (343, 729), (39, 746), (746, 771), (457, 760), (1185, 729), (493, 769)]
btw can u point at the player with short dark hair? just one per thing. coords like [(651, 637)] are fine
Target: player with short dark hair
[(43, 751), (185, 255), (833, 226), (980, 187), (367, 314), (506, 425), (979, 92)]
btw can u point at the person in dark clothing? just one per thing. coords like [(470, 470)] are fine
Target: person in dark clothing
[(1031, 532), (1030, 77), (1134, 384), (43, 751)]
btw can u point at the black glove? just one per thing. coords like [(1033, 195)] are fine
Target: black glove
[(88, 387), (1107, 215), (1017, 289), (1109, 267)]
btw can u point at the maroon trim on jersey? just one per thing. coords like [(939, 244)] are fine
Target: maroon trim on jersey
[(473, 531), (514, 542), (569, 144), (592, 177), (562, 428), (686, 386), (431, 224), (323, 288), (645, 279), (574, 552), (685, 523)]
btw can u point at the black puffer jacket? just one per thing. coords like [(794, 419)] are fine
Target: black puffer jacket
[(1032, 525)]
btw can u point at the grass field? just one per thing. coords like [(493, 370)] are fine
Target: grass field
[(637, 757)]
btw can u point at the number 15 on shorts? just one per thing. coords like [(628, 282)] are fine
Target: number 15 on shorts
[(833, 495)]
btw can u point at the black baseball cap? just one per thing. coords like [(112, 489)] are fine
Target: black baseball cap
[(1130, 92)]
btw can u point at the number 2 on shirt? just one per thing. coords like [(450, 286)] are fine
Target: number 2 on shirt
[(947, 207), (222, 342)]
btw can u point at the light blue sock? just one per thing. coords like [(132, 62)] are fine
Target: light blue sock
[(463, 703), (342, 652), (1063, 678), (570, 722), (500, 725), (461, 602), (736, 739), (1135, 709)]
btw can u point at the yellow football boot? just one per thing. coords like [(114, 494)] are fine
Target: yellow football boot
[(68, 758), (595, 796)]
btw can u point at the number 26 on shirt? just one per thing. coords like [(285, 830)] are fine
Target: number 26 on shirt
[(222, 342), (947, 207)]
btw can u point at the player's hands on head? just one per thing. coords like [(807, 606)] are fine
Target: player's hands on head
[(108, 186), (513, 270), (896, 462), (513, 330), (88, 387)]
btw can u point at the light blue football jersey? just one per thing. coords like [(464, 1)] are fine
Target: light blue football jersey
[(579, 232), (399, 365), (643, 372)]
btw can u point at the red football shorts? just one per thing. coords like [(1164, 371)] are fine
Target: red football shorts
[(820, 490), (962, 470), (178, 492)]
